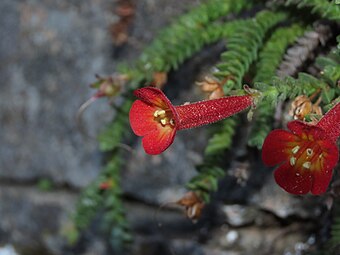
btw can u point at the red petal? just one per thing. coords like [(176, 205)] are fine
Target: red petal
[(158, 140), (332, 154), (141, 118), (294, 182), (274, 146), (321, 181), (153, 96), (323, 173), (156, 97), (299, 127), (331, 122)]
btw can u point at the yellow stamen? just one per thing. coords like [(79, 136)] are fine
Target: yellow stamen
[(307, 164), (309, 152), (292, 161), (295, 149), (158, 113), (163, 121)]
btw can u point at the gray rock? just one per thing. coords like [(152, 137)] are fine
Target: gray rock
[(255, 240), (33, 220), (161, 230), (238, 215), (184, 247), (8, 250), (217, 251), (272, 198), (52, 51)]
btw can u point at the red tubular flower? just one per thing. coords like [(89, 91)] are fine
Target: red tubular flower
[(306, 155), (331, 122), (157, 120)]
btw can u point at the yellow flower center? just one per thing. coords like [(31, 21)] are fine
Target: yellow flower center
[(164, 117), (306, 154)]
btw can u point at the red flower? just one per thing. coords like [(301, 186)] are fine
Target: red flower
[(157, 120), (307, 154)]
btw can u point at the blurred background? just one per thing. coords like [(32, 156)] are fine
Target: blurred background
[(50, 52)]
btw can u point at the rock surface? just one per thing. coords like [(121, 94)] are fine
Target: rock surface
[(283, 205), (32, 220), (50, 53)]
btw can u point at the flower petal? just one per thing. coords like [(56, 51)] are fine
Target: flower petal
[(141, 118), (292, 181), (331, 122), (157, 98), (274, 146), (153, 96), (321, 181), (158, 140), (332, 154), (322, 174), (299, 127)]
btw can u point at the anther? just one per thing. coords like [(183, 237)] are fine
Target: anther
[(306, 164), (295, 149), (158, 113), (292, 161), (163, 121), (309, 152), (172, 122)]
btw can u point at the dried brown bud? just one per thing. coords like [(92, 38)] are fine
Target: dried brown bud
[(193, 205), (303, 106), (125, 10), (195, 211), (211, 86), (159, 79), (109, 86), (190, 198), (217, 93), (300, 107)]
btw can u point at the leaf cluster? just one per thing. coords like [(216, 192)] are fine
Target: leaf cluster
[(112, 136), (326, 9), (95, 198), (243, 47)]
